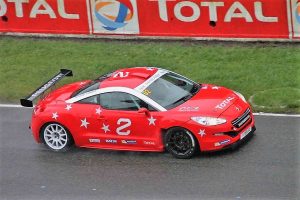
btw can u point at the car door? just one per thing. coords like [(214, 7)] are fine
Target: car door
[(86, 125), (124, 124)]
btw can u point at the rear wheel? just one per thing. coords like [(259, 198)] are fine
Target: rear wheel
[(180, 143), (56, 137)]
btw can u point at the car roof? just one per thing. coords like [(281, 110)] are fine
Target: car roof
[(128, 77)]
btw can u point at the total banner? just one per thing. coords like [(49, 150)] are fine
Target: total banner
[(223, 19)]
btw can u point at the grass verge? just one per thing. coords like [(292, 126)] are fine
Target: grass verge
[(268, 75)]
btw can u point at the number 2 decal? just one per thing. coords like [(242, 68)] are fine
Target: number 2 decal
[(121, 74), (126, 123)]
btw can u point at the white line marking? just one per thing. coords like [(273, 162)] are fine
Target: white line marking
[(256, 114), (10, 106), (276, 114)]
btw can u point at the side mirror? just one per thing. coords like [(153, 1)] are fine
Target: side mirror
[(144, 110)]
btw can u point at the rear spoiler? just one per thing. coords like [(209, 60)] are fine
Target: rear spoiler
[(27, 102)]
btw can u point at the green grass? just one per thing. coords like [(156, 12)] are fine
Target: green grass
[(269, 72)]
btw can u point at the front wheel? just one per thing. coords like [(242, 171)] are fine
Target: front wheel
[(56, 137), (180, 143)]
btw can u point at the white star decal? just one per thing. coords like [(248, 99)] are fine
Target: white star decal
[(202, 132), (68, 107), (215, 88), (151, 120), (84, 123), (98, 111), (105, 128), (54, 115)]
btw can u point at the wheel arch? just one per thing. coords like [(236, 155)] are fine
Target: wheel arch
[(165, 130), (41, 138)]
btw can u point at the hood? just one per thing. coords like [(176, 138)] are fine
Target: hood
[(63, 93), (210, 101)]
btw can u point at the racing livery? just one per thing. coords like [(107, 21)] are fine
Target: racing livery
[(140, 109)]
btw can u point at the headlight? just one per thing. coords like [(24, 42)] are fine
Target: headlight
[(241, 96), (209, 121)]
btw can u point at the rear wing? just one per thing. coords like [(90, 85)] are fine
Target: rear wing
[(27, 102)]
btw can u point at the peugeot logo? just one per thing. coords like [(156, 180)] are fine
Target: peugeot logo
[(237, 109)]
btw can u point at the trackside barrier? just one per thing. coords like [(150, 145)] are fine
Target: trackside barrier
[(219, 19)]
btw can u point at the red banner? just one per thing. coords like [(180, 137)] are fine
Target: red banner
[(258, 19), (44, 16), (220, 18)]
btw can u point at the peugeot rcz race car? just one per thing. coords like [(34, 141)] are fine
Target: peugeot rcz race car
[(140, 109)]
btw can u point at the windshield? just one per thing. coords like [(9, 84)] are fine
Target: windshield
[(171, 90)]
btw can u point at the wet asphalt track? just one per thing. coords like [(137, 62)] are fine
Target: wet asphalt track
[(267, 167)]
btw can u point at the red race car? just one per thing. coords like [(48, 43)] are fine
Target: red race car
[(140, 109)]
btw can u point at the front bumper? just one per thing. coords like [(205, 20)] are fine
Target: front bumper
[(221, 136), (239, 142)]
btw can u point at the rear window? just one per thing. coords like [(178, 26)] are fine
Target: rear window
[(94, 85), (90, 87)]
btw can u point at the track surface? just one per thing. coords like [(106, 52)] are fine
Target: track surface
[(267, 167)]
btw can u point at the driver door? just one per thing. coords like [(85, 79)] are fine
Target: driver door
[(124, 124)]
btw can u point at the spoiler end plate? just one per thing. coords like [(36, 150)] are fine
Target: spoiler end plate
[(26, 103)]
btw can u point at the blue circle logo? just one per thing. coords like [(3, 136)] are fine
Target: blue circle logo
[(297, 13), (113, 14)]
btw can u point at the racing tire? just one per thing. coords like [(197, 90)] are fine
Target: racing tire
[(56, 137), (181, 143)]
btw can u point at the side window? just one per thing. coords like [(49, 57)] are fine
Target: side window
[(91, 100), (122, 101)]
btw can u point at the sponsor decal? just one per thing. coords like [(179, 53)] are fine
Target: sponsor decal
[(225, 103), (149, 143), (222, 142), (115, 16), (94, 140), (111, 141), (147, 92), (128, 141), (47, 85), (189, 109)]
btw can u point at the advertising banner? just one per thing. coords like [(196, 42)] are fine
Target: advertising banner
[(44, 16), (220, 19)]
